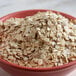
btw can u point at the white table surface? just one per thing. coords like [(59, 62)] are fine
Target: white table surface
[(9, 6)]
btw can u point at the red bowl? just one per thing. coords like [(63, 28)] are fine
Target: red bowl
[(16, 70)]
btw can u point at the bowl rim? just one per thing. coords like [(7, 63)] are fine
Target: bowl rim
[(32, 68)]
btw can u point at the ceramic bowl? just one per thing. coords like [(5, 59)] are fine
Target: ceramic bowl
[(16, 70)]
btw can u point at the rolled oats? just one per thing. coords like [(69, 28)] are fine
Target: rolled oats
[(45, 39)]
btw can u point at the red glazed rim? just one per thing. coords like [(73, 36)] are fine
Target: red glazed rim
[(36, 69)]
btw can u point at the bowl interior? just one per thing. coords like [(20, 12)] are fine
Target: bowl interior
[(22, 14)]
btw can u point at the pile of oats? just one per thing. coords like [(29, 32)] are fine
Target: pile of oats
[(45, 39)]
